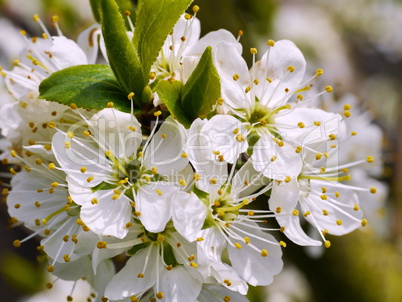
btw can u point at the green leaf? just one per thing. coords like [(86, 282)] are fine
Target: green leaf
[(124, 5), (95, 9), (122, 57), (155, 20), (169, 92), (202, 89), (88, 86)]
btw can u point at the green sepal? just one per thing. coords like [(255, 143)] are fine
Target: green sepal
[(252, 139), (204, 197), (95, 10), (168, 255), (202, 89), (136, 248), (87, 86), (169, 92), (154, 21), (122, 57)]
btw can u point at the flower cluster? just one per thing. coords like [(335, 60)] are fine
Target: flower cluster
[(188, 167)]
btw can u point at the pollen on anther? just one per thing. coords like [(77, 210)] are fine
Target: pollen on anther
[(264, 253), (110, 105), (327, 244), (373, 190), (328, 89), (271, 43), (370, 159)]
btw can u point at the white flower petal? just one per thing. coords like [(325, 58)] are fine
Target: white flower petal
[(166, 153), (188, 214), (178, 285), (153, 202), (251, 266), (108, 216), (229, 62), (126, 282), (226, 135), (88, 40), (67, 53), (274, 64), (118, 131), (275, 162), (216, 293)]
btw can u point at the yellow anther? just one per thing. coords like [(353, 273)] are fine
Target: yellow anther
[(364, 222), (346, 113), (90, 178), (300, 125), (319, 72), (159, 192), (271, 43), (188, 16), (337, 194), (339, 222), (318, 156), (282, 243), (131, 128), (66, 259), (328, 89), (152, 75), (115, 196), (17, 206), (281, 144), (163, 135), (157, 113), (236, 131), (110, 105), (94, 201), (353, 133), (27, 168), (317, 123), (23, 32), (278, 210), (248, 88), (298, 149), (67, 145), (73, 106), (137, 213), (36, 17), (44, 36), (332, 137), (246, 240), (182, 182), (54, 184), (130, 95), (51, 125), (50, 268), (253, 51), (240, 33), (324, 197), (325, 232), (323, 190), (140, 275), (269, 80), (307, 214), (370, 159), (17, 243), (300, 97), (199, 239), (250, 213), (47, 147), (326, 154), (220, 101), (256, 81), (83, 169), (273, 158), (87, 133), (325, 212), (55, 19), (196, 176), (70, 134), (295, 212), (213, 181), (287, 179), (154, 170), (291, 68), (264, 253), (161, 238), (373, 190), (184, 155), (4, 192), (101, 245), (327, 244), (236, 77), (38, 161), (356, 207)]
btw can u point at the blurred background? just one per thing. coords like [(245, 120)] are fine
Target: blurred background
[(359, 45)]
